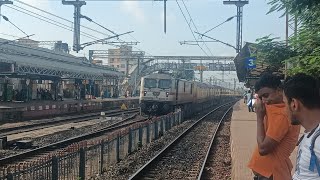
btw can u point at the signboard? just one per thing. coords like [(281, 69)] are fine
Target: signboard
[(251, 62)]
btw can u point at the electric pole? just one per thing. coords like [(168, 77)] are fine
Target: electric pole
[(77, 16), (293, 25), (165, 15), (2, 2), (239, 5)]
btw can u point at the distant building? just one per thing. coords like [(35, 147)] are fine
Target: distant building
[(121, 58), (28, 42), (59, 46)]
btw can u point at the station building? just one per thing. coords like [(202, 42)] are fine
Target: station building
[(30, 73)]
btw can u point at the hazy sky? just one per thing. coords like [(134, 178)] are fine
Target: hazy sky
[(145, 18)]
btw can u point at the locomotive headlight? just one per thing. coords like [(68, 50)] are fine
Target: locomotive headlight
[(145, 93), (167, 94)]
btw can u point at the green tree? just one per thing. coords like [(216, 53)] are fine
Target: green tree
[(273, 53), (305, 45)]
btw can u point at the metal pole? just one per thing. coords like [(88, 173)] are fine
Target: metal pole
[(77, 16), (239, 5), (165, 16), (4, 2), (287, 41)]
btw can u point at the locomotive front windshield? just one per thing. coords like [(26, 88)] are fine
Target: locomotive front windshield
[(164, 83), (150, 83)]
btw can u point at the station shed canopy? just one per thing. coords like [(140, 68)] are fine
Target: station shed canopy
[(20, 61), (249, 68)]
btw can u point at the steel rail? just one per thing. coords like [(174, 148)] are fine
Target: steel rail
[(66, 142), (81, 118), (212, 140), (139, 173)]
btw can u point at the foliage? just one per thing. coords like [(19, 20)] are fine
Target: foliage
[(299, 7), (303, 52), (309, 64), (273, 52)]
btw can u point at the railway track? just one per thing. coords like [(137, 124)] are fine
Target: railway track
[(185, 157), (61, 144), (61, 120)]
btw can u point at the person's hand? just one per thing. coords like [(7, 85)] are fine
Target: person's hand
[(260, 108)]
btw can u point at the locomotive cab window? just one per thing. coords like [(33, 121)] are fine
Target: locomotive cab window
[(164, 83), (150, 83)]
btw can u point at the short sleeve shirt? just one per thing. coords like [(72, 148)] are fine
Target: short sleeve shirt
[(279, 128), (302, 171)]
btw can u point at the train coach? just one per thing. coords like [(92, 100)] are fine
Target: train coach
[(160, 93)]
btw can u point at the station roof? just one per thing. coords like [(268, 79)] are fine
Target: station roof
[(250, 76), (45, 62)]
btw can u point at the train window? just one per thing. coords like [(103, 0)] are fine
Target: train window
[(184, 87), (164, 83), (150, 83)]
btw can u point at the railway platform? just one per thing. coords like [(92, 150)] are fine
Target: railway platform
[(16, 111), (243, 141)]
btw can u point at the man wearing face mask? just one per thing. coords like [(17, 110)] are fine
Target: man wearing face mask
[(276, 137), (302, 98)]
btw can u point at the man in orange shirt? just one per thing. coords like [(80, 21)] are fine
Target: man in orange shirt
[(276, 137)]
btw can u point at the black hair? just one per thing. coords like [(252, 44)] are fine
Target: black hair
[(303, 87), (268, 80)]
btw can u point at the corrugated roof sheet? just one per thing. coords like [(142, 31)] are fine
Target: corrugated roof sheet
[(41, 57), (249, 76)]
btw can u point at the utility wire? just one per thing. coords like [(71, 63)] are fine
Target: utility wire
[(120, 40), (7, 42), (59, 24), (229, 19), (89, 19), (61, 17), (80, 25), (190, 28), (196, 26), (227, 44), (9, 35), (66, 27), (7, 19)]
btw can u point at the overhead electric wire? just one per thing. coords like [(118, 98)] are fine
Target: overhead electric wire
[(59, 24), (60, 17), (229, 19), (196, 26), (120, 40), (80, 25), (89, 19), (9, 35), (227, 44), (191, 28), (8, 41), (37, 14), (66, 27), (7, 19)]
